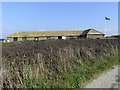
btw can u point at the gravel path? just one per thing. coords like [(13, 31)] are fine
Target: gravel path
[(109, 79)]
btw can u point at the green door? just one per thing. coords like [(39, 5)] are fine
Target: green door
[(24, 38), (15, 39)]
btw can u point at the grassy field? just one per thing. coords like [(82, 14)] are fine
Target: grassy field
[(48, 64), (114, 36), (74, 77)]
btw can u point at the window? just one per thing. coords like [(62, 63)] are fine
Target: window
[(71, 36), (15, 39), (48, 37), (24, 38)]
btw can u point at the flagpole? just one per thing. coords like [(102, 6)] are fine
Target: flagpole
[(105, 25), (106, 18)]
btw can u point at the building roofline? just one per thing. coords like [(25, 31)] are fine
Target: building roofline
[(51, 33)]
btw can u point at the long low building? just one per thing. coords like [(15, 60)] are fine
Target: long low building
[(44, 35)]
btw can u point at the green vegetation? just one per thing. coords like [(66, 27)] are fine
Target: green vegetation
[(114, 36), (72, 78), (14, 42), (25, 41), (56, 63), (117, 36)]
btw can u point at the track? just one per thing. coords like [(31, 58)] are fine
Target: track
[(109, 79)]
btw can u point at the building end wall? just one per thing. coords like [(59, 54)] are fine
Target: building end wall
[(10, 39), (93, 36)]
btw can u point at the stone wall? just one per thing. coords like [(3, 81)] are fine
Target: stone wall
[(95, 36)]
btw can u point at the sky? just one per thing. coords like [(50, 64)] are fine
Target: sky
[(57, 16)]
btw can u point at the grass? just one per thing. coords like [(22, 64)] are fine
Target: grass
[(79, 74), (38, 65), (14, 42), (114, 36), (44, 33), (20, 42)]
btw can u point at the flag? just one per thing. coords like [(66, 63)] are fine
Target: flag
[(106, 18)]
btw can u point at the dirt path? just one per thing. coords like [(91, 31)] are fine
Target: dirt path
[(0, 80), (109, 79)]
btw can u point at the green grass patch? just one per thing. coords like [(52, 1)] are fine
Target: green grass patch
[(79, 74)]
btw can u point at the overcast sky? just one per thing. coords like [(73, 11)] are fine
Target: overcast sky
[(53, 16)]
